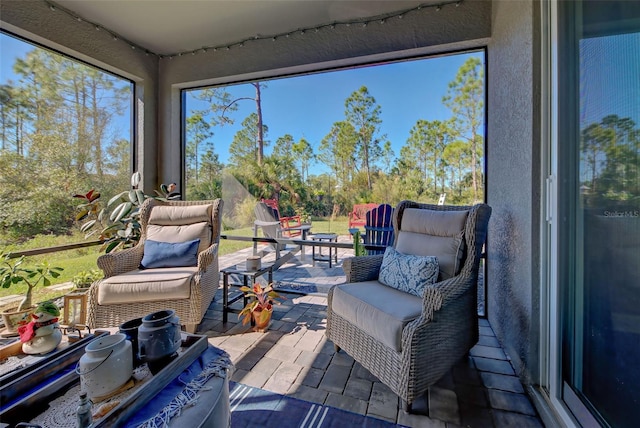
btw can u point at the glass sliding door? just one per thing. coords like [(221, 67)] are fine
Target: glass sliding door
[(599, 207)]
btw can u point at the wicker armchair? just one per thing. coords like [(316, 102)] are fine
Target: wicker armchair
[(410, 342), (127, 292)]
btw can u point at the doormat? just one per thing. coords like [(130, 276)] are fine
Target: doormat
[(257, 407), (293, 287), (307, 279)]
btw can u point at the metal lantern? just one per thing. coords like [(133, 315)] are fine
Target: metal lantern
[(75, 308)]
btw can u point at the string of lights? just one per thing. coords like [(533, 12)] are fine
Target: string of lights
[(363, 22)]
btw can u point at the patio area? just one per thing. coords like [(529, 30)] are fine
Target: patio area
[(294, 358)]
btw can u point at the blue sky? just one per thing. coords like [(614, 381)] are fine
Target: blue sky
[(307, 106), (10, 50)]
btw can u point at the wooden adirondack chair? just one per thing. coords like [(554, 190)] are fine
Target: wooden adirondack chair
[(379, 228), (267, 220), (286, 223), (357, 217)]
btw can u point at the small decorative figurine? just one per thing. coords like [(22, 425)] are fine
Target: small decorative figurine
[(42, 335)]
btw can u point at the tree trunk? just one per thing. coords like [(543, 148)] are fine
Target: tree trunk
[(474, 161), (97, 128), (26, 301), (260, 130)]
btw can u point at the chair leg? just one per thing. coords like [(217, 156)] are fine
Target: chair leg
[(419, 410), (190, 328), (336, 348)]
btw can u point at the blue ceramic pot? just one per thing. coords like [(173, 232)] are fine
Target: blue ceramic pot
[(159, 336)]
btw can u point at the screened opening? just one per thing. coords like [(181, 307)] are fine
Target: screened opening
[(65, 128), (321, 143)]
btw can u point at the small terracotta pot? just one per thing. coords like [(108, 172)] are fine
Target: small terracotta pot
[(261, 324)]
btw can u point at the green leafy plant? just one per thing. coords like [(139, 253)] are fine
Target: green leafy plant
[(119, 221), (12, 272), (86, 278), (262, 300), (305, 217)]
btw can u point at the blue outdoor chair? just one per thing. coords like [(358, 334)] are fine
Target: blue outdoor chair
[(379, 228)]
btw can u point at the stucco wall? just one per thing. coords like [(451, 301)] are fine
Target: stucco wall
[(55, 29), (453, 27), (513, 189)]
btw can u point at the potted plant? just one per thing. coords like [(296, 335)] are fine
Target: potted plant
[(12, 272), (85, 278), (260, 306), (119, 220)]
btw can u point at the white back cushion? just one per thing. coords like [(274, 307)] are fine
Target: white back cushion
[(180, 224), (165, 215), (434, 233)]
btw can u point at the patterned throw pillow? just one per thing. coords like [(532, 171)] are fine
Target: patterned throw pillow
[(407, 272)]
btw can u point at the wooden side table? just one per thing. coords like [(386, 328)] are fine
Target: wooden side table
[(242, 271), (333, 252)]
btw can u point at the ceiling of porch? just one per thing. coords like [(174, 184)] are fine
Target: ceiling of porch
[(170, 27)]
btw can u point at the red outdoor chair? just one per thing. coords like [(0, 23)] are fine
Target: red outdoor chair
[(286, 223), (357, 217)]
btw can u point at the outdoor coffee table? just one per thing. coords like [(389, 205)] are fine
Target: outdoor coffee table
[(240, 270), (333, 252)]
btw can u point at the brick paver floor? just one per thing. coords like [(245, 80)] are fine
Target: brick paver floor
[(294, 358)]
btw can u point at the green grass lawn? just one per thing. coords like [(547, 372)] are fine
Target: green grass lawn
[(75, 261)]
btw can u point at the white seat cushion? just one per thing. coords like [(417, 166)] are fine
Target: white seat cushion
[(367, 305), (147, 285)]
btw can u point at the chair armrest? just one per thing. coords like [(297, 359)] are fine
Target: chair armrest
[(432, 300), (206, 257), (290, 222), (362, 268), (436, 297), (266, 223), (439, 294), (113, 264)]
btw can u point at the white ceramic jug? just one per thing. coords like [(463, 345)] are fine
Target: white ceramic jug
[(106, 365)]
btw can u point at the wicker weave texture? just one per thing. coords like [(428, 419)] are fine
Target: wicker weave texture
[(202, 288), (444, 332)]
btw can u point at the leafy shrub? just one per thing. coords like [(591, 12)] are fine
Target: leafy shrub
[(86, 278)]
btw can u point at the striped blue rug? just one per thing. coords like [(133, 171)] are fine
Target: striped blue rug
[(253, 407)]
